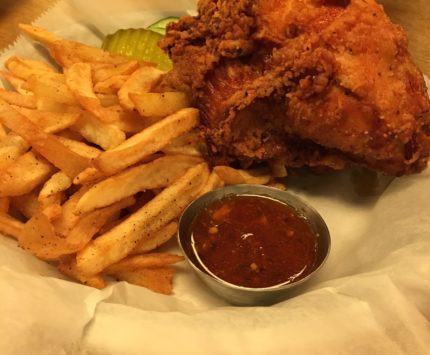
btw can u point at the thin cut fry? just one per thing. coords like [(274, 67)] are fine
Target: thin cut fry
[(88, 176), (189, 143), (91, 223), (17, 83), (39, 34), (58, 182), (159, 104), (22, 176), (157, 174), (106, 72), (80, 148), (68, 218), (121, 240), (14, 98), (145, 261), (156, 239), (11, 148), (39, 236), (157, 279), (24, 68), (67, 53), (236, 176), (111, 85), (52, 89), (106, 136), (45, 144), (79, 81), (68, 268), (140, 81), (50, 122), (10, 226), (148, 142)]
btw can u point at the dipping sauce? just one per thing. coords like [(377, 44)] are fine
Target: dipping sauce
[(254, 241)]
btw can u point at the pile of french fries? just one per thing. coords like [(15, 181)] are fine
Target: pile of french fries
[(95, 169)]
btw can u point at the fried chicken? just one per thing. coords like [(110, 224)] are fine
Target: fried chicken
[(319, 83)]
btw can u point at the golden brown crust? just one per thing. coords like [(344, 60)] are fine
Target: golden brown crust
[(317, 83)]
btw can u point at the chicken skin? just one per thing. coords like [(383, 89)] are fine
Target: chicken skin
[(319, 83)]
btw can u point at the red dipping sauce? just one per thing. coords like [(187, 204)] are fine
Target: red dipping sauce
[(254, 241)]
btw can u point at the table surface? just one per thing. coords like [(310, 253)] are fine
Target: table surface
[(414, 16)]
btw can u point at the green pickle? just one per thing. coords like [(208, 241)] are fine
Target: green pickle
[(160, 26), (141, 44)]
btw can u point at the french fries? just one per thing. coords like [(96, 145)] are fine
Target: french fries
[(99, 167), (147, 142), (121, 240), (23, 175), (157, 174), (152, 104)]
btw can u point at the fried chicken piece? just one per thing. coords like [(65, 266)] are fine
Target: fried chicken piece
[(318, 83)]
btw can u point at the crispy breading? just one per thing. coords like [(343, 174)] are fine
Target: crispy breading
[(310, 83)]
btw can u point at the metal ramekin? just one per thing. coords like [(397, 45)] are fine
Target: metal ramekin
[(245, 296)]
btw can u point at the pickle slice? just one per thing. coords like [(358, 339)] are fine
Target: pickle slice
[(160, 26), (141, 44)]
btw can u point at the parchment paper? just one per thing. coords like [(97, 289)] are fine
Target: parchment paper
[(372, 297)]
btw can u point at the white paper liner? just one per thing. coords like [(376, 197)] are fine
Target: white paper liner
[(372, 297)]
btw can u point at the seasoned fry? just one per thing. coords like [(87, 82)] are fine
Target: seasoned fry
[(10, 226), (14, 98), (89, 224), (68, 218), (24, 68), (159, 104), (50, 122), (45, 144), (147, 142), (109, 71), (67, 266), (157, 279), (79, 81), (23, 175), (17, 83), (156, 239), (52, 210), (50, 88), (88, 176), (237, 176), (111, 85), (67, 53), (8, 155), (121, 240), (39, 34), (128, 121), (145, 261), (58, 182), (106, 136), (140, 81), (80, 148), (157, 174), (11, 148), (189, 143)]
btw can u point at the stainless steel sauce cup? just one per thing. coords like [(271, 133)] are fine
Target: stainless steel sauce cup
[(245, 296)]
